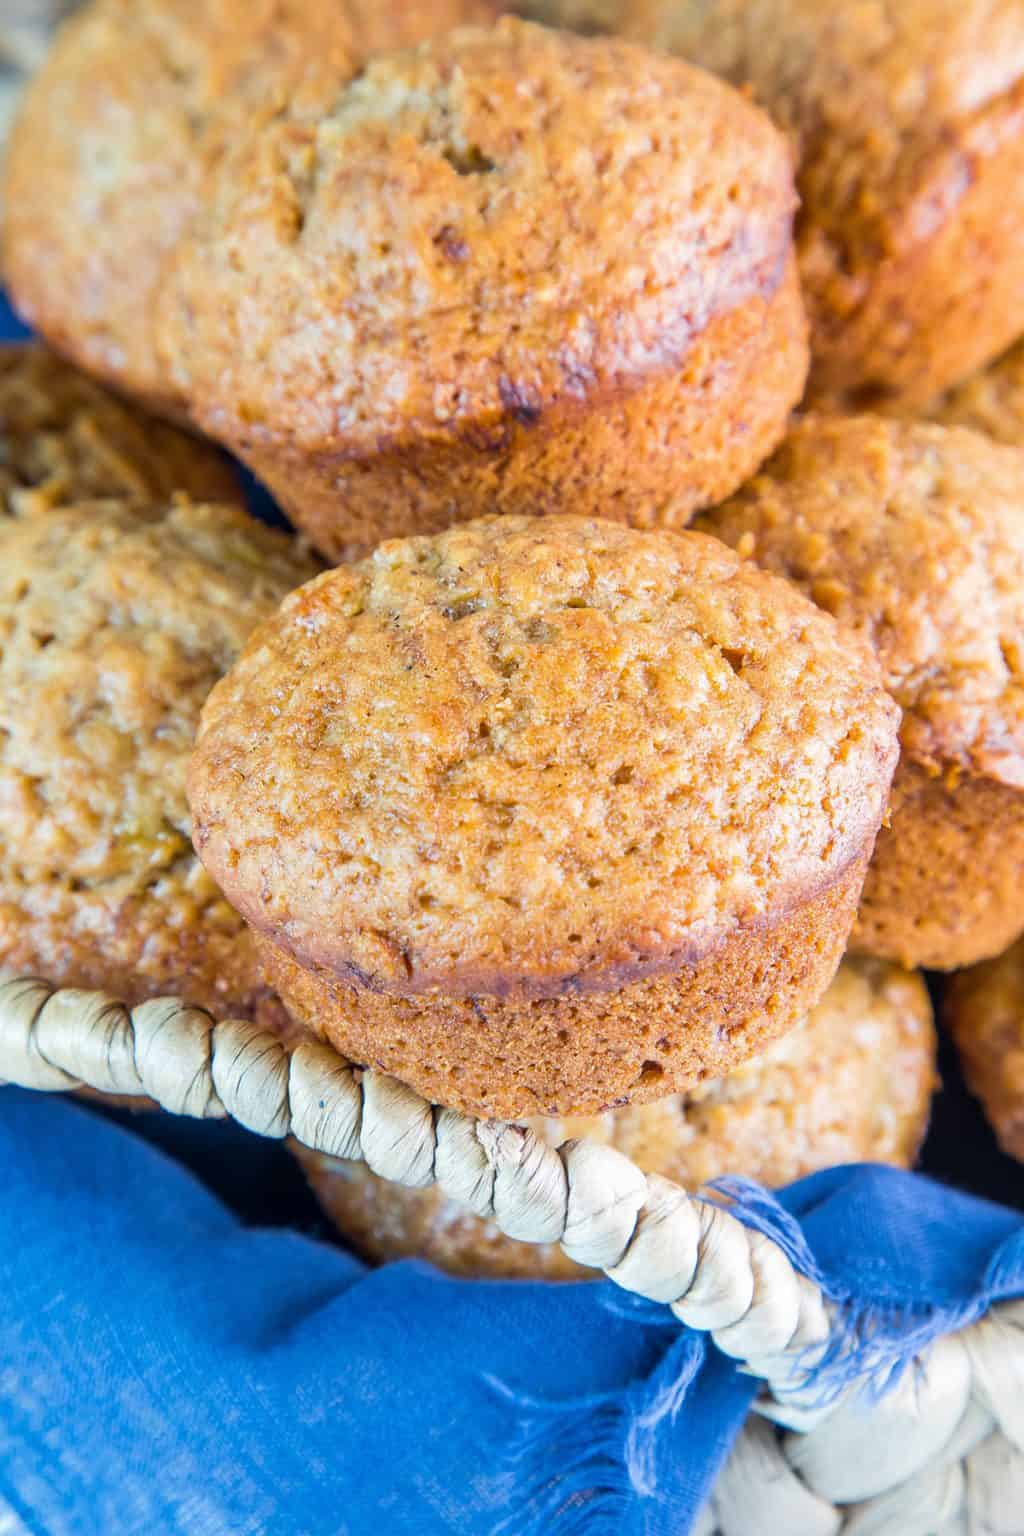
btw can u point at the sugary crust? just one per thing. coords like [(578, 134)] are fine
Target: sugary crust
[(945, 298), (451, 266), (532, 757), (647, 456), (64, 439), (912, 535), (584, 1050), (908, 121), (115, 621), (852, 1083), (984, 1008), (118, 130)]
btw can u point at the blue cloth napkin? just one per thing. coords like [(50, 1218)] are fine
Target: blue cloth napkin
[(165, 1369)]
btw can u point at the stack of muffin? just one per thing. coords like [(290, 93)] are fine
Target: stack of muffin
[(539, 799)]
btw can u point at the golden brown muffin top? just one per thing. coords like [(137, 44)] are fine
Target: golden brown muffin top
[(873, 82), (877, 76), (119, 127), (531, 755), (913, 535), (503, 219), (876, 97), (64, 439), (115, 622), (992, 401)]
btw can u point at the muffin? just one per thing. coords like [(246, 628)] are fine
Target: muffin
[(908, 124), (63, 439), (117, 131), (991, 401), (512, 271), (984, 1008), (913, 535), (116, 619), (851, 1083), (545, 815)]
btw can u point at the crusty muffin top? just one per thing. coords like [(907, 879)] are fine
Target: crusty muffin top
[(546, 752), (912, 534), (886, 106), (115, 622), (64, 439), (502, 219), (117, 131), (863, 89)]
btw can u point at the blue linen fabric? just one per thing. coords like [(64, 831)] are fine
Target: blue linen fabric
[(166, 1369)]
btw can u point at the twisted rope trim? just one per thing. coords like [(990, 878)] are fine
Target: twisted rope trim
[(947, 1446), (647, 1234)]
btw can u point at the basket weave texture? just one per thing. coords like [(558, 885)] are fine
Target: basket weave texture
[(943, 1451)]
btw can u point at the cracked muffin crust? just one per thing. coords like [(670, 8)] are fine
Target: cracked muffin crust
[(546, 814), (116, 619), (908, 124), (984, 1008), (851, 1083), (913, 536), (118, 130), (512, 270), (64, 439)]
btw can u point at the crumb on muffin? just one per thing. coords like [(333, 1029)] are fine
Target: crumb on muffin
[(541, 814), (116, 619)]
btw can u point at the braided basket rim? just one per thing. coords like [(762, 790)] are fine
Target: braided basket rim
[(944, 1447)]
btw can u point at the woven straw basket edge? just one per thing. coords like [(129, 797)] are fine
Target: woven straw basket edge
[(941, 1452)]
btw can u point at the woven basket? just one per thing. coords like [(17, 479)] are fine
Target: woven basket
[(941, 1452)]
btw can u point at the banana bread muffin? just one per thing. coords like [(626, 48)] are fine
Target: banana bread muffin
[(991, 401), (984, 1009), (908, 124), (511, 271), (852, 1083), (545, 815), (116, 619), (109, 154), (913, 535), (63, 439)]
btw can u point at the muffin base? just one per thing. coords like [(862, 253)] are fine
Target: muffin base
[(853, 1082), (946, 885), (984, 1009), (648, 455), (585, 1051)]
